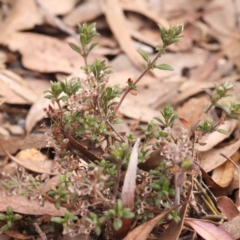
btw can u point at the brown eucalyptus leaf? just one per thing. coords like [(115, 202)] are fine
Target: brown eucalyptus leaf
[(45, 166), (21, 204), (207, 230), (36, 113), (114, 14), (17, 85), (227, 207), (39, 53), (212, 158), (214, 138), (223, 174), (128, 190), (20, 143), (142, 232), (232, 227)]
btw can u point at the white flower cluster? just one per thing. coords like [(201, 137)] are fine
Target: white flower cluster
[(176, 150)]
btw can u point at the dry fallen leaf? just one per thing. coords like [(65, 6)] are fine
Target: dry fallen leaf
[(46, 54), (223, 174), (23, 205), (20, 143), (36, 113), (128, 190), (207, 230), (142, 232), (85, 12), (214, 138), (16, 235), (114, 14), (232, 227), (222, 19), (45, 166), (17, 85), (211, 159), (227, 207)]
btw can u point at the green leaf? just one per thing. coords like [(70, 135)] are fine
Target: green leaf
[(49, 96), (117, 223), (144, 55), (75, 48), (127, 214), (64, 98), (92, 46), (56, 219), (164, 67), (159, 120), (174, 117), (235, 117), (222, 131), (225, 108), (162, 32), (97, 230)]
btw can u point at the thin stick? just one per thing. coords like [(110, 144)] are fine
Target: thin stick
[(138, 79), (58, 23), (39, 231), (115, 130)]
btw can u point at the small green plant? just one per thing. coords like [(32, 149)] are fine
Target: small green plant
[(9, 218), (83, 113)]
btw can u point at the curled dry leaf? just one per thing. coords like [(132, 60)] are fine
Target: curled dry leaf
[(23, 205), (207, 230), (223, 174), (215, 188), (45, 166), (128, 190), (129, 185)]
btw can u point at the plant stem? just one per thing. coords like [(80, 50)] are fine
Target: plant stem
[(177, 189), (138, 79), (60, 108)]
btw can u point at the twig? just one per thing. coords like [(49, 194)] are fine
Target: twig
[(57, 22), (115, 130), (138, 79), (39, 231), (177, 189), (206, 198)]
